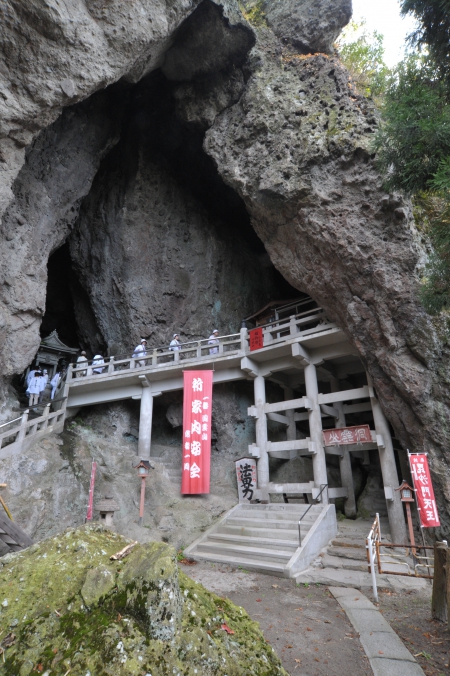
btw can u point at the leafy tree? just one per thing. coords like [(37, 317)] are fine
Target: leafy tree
[(433, 31), (413, 141), (362, 53)]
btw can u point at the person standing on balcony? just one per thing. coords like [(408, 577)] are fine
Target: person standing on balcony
[(34, 388), (54, 383), (175, 343), (98, 359), (214, 340), (81, 361), (140, 351)]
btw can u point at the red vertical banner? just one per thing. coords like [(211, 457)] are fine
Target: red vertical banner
[(90, 508), (197, 410), (426, 502), (256, 339)]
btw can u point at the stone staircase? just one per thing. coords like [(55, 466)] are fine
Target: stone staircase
[(169, 462), (265, 537)]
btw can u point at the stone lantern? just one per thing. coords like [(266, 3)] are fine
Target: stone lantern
[(107, 507)]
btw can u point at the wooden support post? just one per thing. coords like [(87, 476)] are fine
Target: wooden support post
[(389, 471), (145, 424), (244, 340), (111, 365), (291, 429), (345, 463), (141, 506), (315, 430), (261, 432), (23, 426), (439, 610)]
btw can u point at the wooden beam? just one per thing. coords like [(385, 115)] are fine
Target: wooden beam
[(276, 417), (290, 488), (287, 405), (337, 492), (344, 395), (295, 445)]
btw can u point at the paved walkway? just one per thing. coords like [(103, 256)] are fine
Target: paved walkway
[(386, 652)]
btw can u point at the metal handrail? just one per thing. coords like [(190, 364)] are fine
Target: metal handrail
[(316, 499), (10, 422)]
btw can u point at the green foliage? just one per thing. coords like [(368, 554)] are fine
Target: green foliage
[(433, 32), (253, 11), (362, 53), (414, 137), (434, 212)]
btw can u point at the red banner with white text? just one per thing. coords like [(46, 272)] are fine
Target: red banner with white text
[(197, 409), (426, 502), (256, 339)]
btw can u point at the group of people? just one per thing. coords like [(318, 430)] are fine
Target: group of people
[(37, 380), (96, 363), (140, 352)]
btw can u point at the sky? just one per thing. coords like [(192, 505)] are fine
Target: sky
[(384, 16)]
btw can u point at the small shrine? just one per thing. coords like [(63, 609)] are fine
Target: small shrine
[(51, 352), (107, 507)]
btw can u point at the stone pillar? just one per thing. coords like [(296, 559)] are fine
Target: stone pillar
[(315, 429), (389, 471), (345, 463), (145, 424), (261, 432), (291, 430)]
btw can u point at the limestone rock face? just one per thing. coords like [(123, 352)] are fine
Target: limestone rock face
[(151, 619), (163, 169), (308, 25)]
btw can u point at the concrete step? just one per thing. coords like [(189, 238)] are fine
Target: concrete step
[(245, 540), (272, 533), (267, 523), (348, 542), (348, 553), (262, 554), (267, 567), (347, 564), (279, 507)]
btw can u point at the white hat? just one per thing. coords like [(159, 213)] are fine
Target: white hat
[(143, 340), (215, 331), (175, 335)]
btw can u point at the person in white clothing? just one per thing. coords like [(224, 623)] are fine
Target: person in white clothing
[(81, 361), (54, 383), (34, 388), (31, 375), (98, 359), (175, 343), (140, 351), (214, 340)]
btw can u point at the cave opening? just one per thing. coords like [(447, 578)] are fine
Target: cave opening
[(59, 306)]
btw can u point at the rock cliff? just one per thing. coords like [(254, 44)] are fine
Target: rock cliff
[(179, 122)]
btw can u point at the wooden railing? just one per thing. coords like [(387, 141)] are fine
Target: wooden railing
[(16, 432), (311, 321)]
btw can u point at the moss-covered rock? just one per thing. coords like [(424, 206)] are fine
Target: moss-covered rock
[(65, 607)]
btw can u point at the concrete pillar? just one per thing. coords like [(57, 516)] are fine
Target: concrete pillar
[(389, 472), (315, 429), (345, 463), (261, 432), (291, 430), (145, 424)]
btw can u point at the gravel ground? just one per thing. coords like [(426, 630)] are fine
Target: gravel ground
[(304, 624)]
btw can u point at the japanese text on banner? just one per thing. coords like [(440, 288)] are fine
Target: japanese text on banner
[(426, 502), (197, 408)]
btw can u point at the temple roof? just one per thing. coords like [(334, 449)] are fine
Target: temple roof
[(53, 342)]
